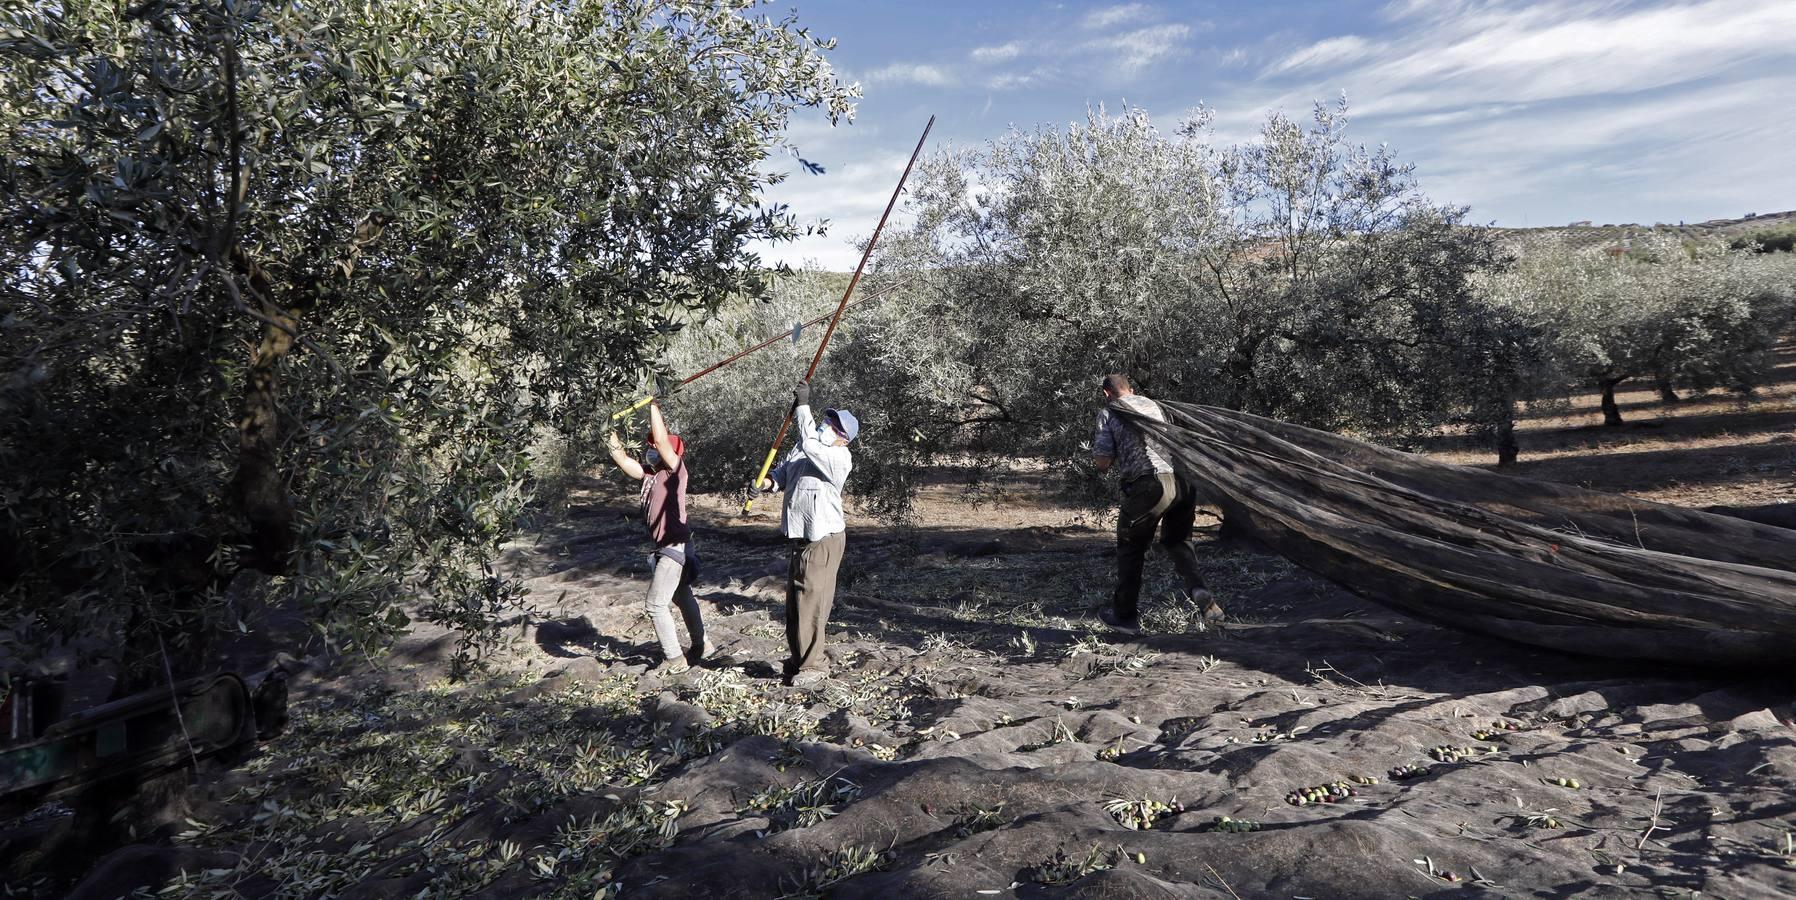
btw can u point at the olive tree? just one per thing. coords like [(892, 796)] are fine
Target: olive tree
[(1033, 267), (1686, 315), (290, 286), (1299, 276)]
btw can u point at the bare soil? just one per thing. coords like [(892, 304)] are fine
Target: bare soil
[(983, 736)]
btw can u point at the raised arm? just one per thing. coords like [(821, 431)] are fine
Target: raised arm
[(830, 461), (628, 465), (658, 437), (807, 430)]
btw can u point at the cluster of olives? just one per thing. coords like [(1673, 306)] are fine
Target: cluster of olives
[(1362, 779), (1563, 782), (1404, 773), (1457, 754), (1140, 815), (1496, 731), (1233, 826), (1322, 793)]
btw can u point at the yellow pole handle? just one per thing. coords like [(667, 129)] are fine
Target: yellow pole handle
[(633, 407), (766, 466)]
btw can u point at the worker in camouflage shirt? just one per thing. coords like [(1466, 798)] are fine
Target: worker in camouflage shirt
[(1154, 497)]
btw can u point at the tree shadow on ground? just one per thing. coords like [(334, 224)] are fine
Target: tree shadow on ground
[(1300, 629), (576, 637), (1649, 470)]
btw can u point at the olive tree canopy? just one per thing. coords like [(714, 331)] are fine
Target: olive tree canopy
[(292, 287)]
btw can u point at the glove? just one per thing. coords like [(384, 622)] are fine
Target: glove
[(801, 395)]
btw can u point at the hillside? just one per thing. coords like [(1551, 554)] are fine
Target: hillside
[(1609, 233)]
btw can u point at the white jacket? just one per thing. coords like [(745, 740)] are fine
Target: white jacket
[(812, 476)]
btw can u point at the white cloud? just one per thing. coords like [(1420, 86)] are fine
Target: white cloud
[(1554, 110), (997, 54), (1541, 52), (1131, 53), (1010, 81), (1124, 47), (1692, 154), (1111, 16), (911, 73), (1237, 56), (1631, 128), (1332, 51), (851, 197)]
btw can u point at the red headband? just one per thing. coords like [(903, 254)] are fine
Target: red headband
[(679, 446)]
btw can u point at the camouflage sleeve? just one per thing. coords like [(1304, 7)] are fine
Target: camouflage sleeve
[(1104, 442)]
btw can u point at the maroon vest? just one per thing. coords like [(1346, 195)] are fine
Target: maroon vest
[(664, 506)]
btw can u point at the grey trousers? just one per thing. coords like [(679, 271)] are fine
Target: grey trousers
[(672, 583), (810, 592)]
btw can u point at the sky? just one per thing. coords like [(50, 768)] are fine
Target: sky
[(1530, 113)]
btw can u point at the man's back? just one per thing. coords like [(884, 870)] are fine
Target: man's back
[(1136, 455)]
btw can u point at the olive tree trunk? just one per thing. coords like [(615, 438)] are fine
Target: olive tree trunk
[(1667, 394), (1507, 448), (1611, 412), (261, 492)]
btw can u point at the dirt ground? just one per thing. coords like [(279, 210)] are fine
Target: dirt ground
[(983, 737)]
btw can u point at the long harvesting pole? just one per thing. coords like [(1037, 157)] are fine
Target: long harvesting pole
[(767, 464), (761, 346)]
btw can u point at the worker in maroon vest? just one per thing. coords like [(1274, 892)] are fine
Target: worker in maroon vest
[(663, 477)]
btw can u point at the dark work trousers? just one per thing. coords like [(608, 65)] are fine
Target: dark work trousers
[(1153, 501), (810, 591)]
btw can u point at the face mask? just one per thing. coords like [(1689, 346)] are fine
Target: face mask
[(653, 458), (826, 434)]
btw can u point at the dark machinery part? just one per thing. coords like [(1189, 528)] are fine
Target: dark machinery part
[(135, 738)]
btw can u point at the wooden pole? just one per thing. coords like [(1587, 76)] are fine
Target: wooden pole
[(761, 346), (767, 464)]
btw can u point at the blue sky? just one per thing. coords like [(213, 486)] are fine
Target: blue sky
[(1530, 113)]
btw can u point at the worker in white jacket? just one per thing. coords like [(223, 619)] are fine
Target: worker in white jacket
[(812, 476)]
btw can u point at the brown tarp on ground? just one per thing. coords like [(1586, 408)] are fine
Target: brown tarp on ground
[(1531, 561)]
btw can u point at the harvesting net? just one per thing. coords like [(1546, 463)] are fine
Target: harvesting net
[(1541, 563)]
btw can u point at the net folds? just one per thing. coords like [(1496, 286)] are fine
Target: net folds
[(1536, 562)]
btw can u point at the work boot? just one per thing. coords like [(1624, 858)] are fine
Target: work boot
[(673, 665), (698, 655), (1212, 609), (1117, 623), (810, 680)]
